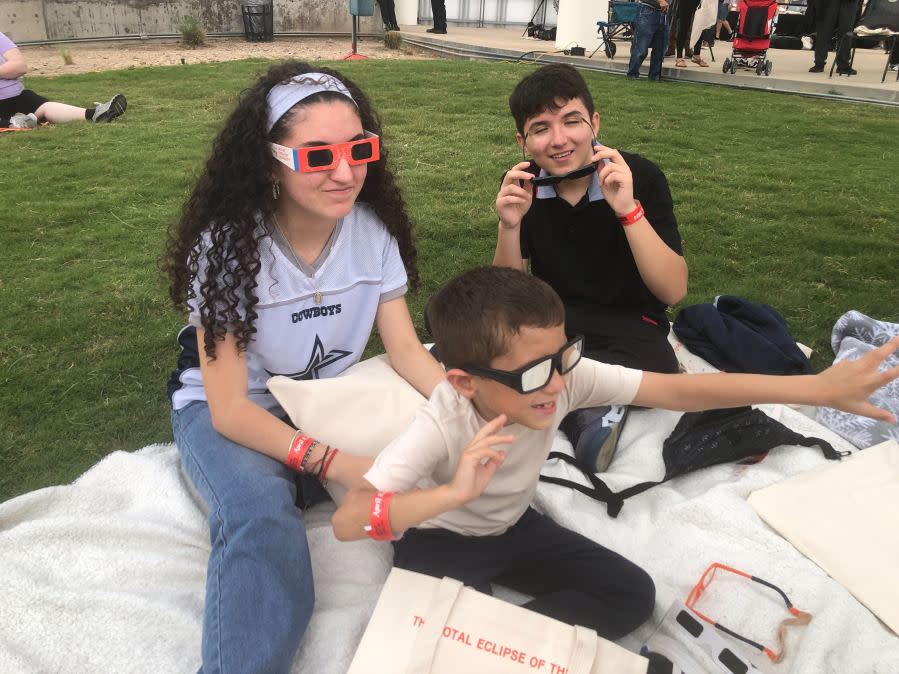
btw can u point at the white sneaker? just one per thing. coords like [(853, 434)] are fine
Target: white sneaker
[(106, 112), (23, 121)]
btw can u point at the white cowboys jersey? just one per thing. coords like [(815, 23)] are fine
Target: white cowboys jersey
[(296, 335)]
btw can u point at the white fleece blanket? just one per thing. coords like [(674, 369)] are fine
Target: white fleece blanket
[(107, 574)]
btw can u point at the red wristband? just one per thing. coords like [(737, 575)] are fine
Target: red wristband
[(634, 216), (327, 465), (379, 519), (299, 449)]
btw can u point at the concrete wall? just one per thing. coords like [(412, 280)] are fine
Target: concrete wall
[(25, 20)]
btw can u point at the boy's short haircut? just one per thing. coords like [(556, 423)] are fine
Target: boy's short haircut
[(544, 88), (473, 316)]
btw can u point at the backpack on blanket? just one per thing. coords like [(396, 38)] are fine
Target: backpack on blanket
[(700, 440)]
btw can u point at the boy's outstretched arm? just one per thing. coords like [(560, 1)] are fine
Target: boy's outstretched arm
[(476, 466), (846, 386)]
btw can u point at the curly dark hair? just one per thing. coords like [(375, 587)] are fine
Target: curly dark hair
[(235, 190)]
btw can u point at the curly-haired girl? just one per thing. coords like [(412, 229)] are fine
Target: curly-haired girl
[(293, 243)]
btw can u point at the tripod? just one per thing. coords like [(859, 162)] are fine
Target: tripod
[(541, 5)]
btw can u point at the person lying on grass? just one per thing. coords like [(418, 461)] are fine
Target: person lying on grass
[(23, 108), (453, 492)]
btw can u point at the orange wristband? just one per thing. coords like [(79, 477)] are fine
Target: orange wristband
[(634, 216), (379, 519)]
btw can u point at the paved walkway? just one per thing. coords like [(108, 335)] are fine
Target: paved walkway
[(789, 72)]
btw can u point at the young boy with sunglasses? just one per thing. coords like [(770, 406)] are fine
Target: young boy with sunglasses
[(456, 505)]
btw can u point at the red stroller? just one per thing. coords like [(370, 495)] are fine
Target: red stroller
[(753, 37)]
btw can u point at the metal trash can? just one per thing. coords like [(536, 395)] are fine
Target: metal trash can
[(362, 7), (258, 20)]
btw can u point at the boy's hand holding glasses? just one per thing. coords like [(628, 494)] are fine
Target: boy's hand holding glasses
[(515, 195), (615, 179)]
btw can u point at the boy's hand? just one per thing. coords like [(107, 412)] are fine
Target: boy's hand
[(848, 385), (615, 179), (479, 461), (515, 195)]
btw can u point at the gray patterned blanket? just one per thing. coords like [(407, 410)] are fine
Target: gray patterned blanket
[(853, 336)]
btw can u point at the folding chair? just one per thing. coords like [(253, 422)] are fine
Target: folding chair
[(880, 19), (622, 14)]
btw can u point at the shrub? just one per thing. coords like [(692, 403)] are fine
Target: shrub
[(193, 34), (393, 39)]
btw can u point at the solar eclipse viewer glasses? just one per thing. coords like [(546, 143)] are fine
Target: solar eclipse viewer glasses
[(582, 172), (327, 157)]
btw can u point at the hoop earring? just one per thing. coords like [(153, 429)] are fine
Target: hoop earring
[(276, 190)]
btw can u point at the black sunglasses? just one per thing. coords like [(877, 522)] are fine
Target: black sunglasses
[(581, 172), (536, 374)]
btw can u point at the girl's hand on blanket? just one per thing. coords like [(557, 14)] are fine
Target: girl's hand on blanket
[(848, 385), (515, 195), (480, 461)]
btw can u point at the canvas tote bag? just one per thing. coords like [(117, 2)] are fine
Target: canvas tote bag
[(426, 625)]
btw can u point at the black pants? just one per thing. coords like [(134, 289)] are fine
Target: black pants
[(570, 577), (25, 102), (438, 9), (619, 338), (833, 15), (388, 14), (623, 337), (685, 11)]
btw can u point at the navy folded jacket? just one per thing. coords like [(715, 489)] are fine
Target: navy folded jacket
[(735, 335)]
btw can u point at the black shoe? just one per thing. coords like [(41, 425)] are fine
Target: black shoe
[(106, 112), (436, 31), (847, 71), (816, 69)]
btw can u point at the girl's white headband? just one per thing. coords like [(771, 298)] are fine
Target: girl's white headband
[(282, 97)]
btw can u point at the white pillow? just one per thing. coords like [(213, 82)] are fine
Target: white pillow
[(839, 517), (361, 411)]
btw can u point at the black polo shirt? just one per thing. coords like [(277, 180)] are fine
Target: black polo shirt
[(582, 251)]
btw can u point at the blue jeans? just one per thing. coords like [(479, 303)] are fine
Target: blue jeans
[(650, 30), (259, 592)]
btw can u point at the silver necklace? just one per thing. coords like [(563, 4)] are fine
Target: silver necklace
[(316, 296)]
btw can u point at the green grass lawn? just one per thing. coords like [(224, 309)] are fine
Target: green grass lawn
[(780, 199)]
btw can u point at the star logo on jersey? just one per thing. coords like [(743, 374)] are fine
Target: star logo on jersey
[(318, 360)]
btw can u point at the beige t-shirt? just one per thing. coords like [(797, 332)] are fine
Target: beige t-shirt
[(428, 452)]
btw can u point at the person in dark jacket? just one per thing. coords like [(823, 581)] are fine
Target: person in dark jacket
[(830, 16)]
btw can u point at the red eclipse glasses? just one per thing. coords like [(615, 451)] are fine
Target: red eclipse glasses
[(327, 157), (798, 617)]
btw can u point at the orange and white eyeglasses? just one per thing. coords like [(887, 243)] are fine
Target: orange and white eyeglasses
[(799, 617), (327, 157)]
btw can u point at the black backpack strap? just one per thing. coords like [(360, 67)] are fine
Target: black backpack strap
[(826, 448), (599, 490)]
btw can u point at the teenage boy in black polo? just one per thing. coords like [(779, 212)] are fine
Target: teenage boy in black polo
[(615, 279), (606, 242)]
